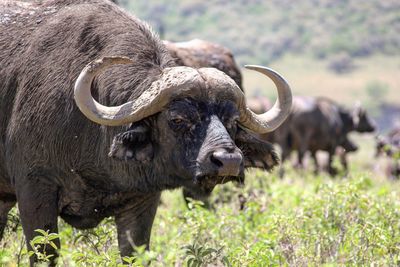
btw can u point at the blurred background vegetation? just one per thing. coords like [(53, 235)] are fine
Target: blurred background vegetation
[(348, 50), (265, 31)]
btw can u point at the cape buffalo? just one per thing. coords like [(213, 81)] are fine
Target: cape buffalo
[(318, 123), (198, 53), (389, 145), (326, 128), (172, 126)]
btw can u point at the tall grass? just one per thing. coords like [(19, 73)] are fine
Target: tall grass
[(301, 220)]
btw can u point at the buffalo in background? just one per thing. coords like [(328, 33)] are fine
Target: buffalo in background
[(172, 126), (314, 123), (320, 124), (198, 53), (389, 146)]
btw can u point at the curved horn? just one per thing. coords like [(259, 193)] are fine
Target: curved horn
[(270, 120), (172, 81), (221, 86)]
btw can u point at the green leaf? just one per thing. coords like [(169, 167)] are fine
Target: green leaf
[(53, 245), (226, 262), (44, 233), (190, 262), (208, 251), (53, 236)]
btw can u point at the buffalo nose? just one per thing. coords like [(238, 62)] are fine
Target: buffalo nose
[(229, 164)]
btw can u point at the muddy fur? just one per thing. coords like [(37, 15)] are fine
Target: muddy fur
[(200, 53), (55, 162)]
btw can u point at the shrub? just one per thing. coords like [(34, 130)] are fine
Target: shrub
[(341, 63)]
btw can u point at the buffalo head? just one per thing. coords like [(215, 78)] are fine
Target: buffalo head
[(362, 121), (192, 125)]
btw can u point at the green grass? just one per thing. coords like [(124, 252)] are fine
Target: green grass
[(299, 220)]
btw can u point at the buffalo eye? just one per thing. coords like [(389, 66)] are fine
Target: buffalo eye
[(179, 124), (177, 121)]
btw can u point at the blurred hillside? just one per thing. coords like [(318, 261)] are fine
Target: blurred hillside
[(267, 30), (348, 50)]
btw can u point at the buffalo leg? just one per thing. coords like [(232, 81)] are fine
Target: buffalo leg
[(134, 223), (300, 157), (302, 149), (284, 155), (302, 145), (343, 161), (5, 207), (316, 165), (37, 203), (331, 170)]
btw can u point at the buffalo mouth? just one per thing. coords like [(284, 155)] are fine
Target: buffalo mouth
[(208, 182)]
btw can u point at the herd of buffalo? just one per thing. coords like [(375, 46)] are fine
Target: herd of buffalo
[(314, 123), (172, 115)]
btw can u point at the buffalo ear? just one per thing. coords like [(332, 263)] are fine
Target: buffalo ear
[(257, 153), (134, 144)]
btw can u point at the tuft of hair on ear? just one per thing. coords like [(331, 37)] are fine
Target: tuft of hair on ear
[(120, 147), (134, 144), (263, 157), (257, 152)]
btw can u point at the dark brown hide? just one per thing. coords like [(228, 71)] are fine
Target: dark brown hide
[(55, 162), (319, 124), (199, 54)]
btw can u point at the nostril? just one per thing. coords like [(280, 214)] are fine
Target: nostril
[(216, 161), (228, 164), (230, 149)]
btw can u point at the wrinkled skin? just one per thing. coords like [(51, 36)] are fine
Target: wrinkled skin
[(194, 130), (55, 162), (198, 54)]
